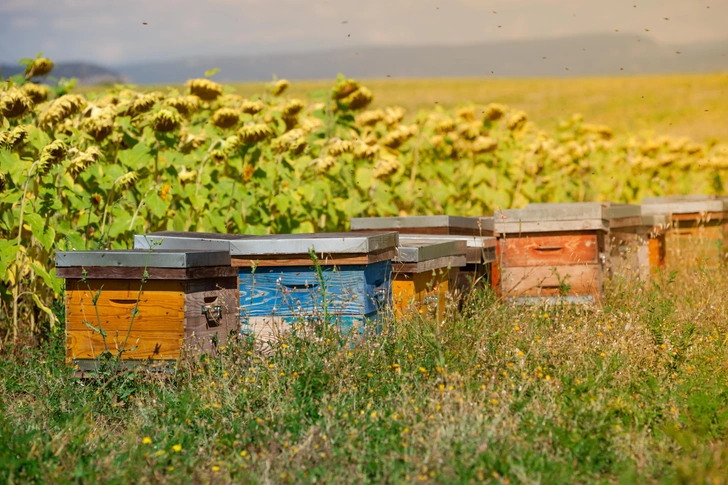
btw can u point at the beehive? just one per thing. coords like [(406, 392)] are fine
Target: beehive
[(551, 252), (423, 273), (638, 250), (696, 228), (278, 283), (628, 238), (188, 300), (442, 225), (479, 254), (479, 265)]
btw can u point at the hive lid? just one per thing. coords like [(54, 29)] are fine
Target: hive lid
[(209, 241), (322, 243), (416, 252), (684, 204), (142, 258), (478, 242), (582, 216), (587, 210), (408, 222)]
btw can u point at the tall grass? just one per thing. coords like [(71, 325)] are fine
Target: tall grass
[(634, 390)]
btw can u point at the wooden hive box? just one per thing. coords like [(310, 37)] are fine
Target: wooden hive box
[(550, 252), (629, 238), (479, 254), (423, 273), (638, 250), (189, 301), (696, 228), (474, 271), (280, 286)]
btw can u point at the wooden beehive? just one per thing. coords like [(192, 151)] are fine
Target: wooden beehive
[(628, 238), (697, 227), (638, 250), (188, 301), (279, 284), (480, 256), (423, 273), (551, 252)]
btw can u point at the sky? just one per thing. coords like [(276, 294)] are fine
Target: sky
[(117, 32)]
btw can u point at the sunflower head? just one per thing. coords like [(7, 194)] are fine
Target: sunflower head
[(83, 160), (15, 103), (324, 164), (385, 168), (125, 181), (255, 133), (278, 87), (166, 120), (225, 118), (36, 92), (344, 88), (252, 107), (204, 89), (51, 155), (38, 67), (494, 111), (359, 99)]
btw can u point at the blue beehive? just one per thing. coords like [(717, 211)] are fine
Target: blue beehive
[(279, 284)]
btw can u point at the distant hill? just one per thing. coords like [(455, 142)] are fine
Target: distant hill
[(584, 55), (587, 55), (86, 73)]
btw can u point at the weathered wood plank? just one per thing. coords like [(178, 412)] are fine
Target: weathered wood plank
[(123, 273), (324, 260), (160, 318), (350, 290), (549, 250), (582, 279), (500, 228), (156, 345), (430, 264), (426, 293), (201, 332)]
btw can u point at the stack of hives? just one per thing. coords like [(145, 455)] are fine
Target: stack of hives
[(194, 290)]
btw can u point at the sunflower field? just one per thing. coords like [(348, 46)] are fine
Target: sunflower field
[(90, 171)]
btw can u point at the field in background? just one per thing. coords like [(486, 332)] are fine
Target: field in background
[(694, 105)]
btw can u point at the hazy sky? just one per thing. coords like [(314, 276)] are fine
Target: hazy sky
[(113, 31)]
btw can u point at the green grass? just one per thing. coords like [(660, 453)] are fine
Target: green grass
[(635, 390)]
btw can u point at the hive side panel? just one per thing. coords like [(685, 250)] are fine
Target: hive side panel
[(549, 250), (203, 332), (549, 281), (155, 333)]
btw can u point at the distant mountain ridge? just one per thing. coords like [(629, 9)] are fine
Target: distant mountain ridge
[(85, 72), (584, 55)]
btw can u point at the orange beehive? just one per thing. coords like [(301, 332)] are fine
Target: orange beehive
[(552, 252), (188, 299), (422, 275), (696, 228)]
